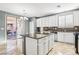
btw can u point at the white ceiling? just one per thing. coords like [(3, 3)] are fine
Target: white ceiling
[(37, 9)]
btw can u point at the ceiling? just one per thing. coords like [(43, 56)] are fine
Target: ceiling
[(37, 9)]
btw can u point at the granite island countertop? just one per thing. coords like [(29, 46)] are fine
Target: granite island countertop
[(36, 36)]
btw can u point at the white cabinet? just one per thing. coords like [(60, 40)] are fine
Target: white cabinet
[(43, 46), (66, 21), (39, 46), (67, 37), (60, 36), (69, 21), (46, 45), (61, 21), (51, 41), (76, 18), (45, 22), (31, 46), (38, 23), (52, 21), (42, 22)]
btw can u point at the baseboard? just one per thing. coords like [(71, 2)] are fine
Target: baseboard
[(65, 42)]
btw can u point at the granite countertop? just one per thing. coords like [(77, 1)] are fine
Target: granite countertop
[(35, 36)]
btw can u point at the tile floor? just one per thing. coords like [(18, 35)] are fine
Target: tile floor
[(58, 49), (63, 49)]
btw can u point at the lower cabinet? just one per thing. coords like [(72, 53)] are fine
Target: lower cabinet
[(43, 46), (39, 46), (67, 37), (31, 46), (51, 41), (60, 37), (46, 45)]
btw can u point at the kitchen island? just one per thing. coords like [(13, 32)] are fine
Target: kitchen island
[(39, 44)]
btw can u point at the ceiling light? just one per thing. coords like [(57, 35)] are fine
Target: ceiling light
[(58, 6)]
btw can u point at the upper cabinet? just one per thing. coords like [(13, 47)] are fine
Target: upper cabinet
[(76, 18), (66, 21), (50, 21), (53, 21), (45, 22), (38, 22), (69, 21), (61, 21)]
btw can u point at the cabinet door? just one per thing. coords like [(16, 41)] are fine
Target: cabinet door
[(42, 22), (60, 36), (52, 21), (76, 18), (51, 41), (69, 21), (69, 37), (61, 21), (31, 46), (46, 45), (45, 22), (41, 46), (38, 22)]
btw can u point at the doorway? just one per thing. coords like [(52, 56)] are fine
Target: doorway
[(15, 27), (11, 35)]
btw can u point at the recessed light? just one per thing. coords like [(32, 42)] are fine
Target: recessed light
[(58, 6)]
